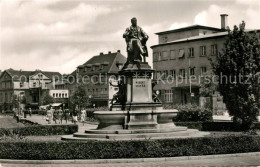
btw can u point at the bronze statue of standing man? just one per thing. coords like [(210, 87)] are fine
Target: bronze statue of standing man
[(136, 40)]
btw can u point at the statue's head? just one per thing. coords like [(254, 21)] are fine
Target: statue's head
[(134, 21)]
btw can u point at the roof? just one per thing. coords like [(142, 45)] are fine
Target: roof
[(199, 37), (27, 74), (109, 62), (192, 27)]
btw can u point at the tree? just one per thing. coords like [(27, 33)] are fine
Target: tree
[(80, 97), (47, 99), (237, 67), (208, 85)]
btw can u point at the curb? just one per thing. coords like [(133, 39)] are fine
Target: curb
[(130, 160)]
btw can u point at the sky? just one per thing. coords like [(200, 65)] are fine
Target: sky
[(59, 35)]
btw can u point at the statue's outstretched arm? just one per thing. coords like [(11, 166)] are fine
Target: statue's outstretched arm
[(126, 34)]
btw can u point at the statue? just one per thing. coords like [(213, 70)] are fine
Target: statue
[(136, 40)]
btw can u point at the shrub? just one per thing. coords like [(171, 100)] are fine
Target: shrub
[(190, 125), (215, 126), (129, 149), (40, 130), (189, 113)]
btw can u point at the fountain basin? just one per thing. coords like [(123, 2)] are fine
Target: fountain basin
[(109, 120), (164, 118)]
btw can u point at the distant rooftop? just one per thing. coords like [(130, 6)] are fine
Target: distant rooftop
[(199, 37), (192, 27), (109, 61)]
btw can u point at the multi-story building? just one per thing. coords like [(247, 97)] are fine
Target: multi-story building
[(31, 84), (59, 90), (182, 57), (96, 74)]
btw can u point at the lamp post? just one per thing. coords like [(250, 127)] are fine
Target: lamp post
[(191, 94)]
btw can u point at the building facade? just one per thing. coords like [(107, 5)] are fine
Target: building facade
[(96, 74), (30, 84), (181, 59)]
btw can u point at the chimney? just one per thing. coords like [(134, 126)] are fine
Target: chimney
[(101, 53), (109, 52), (118, 51), (224, 21)]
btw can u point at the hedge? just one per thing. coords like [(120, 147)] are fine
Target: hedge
[(129, 149), (40, 130), (214, 126)]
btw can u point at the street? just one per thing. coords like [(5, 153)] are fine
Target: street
[(245, 160)]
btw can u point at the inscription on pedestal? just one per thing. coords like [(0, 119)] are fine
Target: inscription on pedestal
[(141, 90)]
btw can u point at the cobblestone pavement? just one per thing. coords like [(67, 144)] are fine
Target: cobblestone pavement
[(228, 161)]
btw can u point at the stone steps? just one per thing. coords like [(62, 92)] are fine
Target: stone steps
[(174, 129), (190, 133)]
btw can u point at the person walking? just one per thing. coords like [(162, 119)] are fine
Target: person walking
[(60, 114), (30, 112), (67, 115), (75, 116), (55, 115), (83, 116), (49, 115)]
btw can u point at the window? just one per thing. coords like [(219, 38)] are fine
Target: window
[(93, 90), (202, 50), (203, 70), (53, 95), (6, 97), (182, 73), (181, 53), (62, 95), (214, 50), (93, 68), (191, 52), (155, 56), (34, 84), (172, 54), (192, 71), (159, 56), (66, 94), (40, 76), (86, 69), (156, 74), (164, 55), (164, 38), (8, 85), (173, 74), (21, 84), (105, 89), (56, 94), (101, 67), (3, 85), (165, 74), (168, 96)]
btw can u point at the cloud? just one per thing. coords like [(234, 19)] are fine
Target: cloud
[(248, 13), (177, 25), (34, 34)]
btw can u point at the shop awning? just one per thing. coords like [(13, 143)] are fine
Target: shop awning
[(56, 104)]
